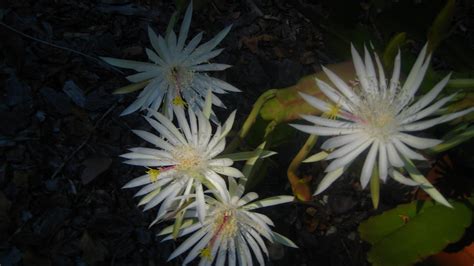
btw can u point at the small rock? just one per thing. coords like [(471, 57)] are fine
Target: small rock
[(352, 236), (331, 230), (75, 93), (340, 204)]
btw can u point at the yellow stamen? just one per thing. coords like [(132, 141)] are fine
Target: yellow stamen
[(206, 253), (179, 101), (153, 173), (333, 112)]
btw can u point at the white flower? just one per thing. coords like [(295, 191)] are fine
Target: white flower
[(183, 163), (377, 116), (231, 230), (178, 71)]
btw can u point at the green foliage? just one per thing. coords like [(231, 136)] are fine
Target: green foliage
[(454, 138), (392, 49), (411, 232), (441, 25)]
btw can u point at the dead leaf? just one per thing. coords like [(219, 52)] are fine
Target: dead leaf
[(252, 42), (94, 167)]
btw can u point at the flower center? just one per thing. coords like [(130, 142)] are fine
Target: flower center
[(179, 77), (188, 158), (226, 224), (376, 111)]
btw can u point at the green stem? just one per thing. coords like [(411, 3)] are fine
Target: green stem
[(460, 84), (252, 117), (299, 185)]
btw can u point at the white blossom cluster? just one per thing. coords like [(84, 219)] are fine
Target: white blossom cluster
[(193, 184)]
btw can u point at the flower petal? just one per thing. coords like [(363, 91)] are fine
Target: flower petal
[(417, 142), (328, 179), (368, 167)]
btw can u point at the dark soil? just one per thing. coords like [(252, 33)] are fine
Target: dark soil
[(61, 201)]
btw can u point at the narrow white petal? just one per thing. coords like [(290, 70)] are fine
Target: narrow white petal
[(221, 256), (210, 67), (340, 141), (193, 125), (413, 76), (417, 142), (315, 102), (139, 181), (255, 248), (325, 131), (220, 162), (332, 94), (264, 218), (183, 31), (432, 122), (153, 152), (135, 155), (329, 122), (269, 202), (369, 164), (169, 190), (165, 132), (188, 243), (259, 240), (245, 248), (201, 205), (394, 82), (149, 162), (135, 65), (383, 163), (393, 156), (348, 158), (142, 76), (219, 184), (328, 179), (382, 81), (205, 130), (347, 148), (405, 151), (360, 69), (154, 57), (137, 104), (196, 250), (169, 125), (247, 198), (341, 85), (183, 122), (231, 252), (397, 176), (369, 66), (153, 139), (430, 96), (191, 46), (228, 171), (183, 231), (428, 111)]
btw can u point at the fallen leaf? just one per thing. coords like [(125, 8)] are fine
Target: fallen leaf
[(252, 42)]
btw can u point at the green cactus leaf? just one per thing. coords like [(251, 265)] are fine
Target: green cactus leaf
[(411, 232), (441, 25)]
